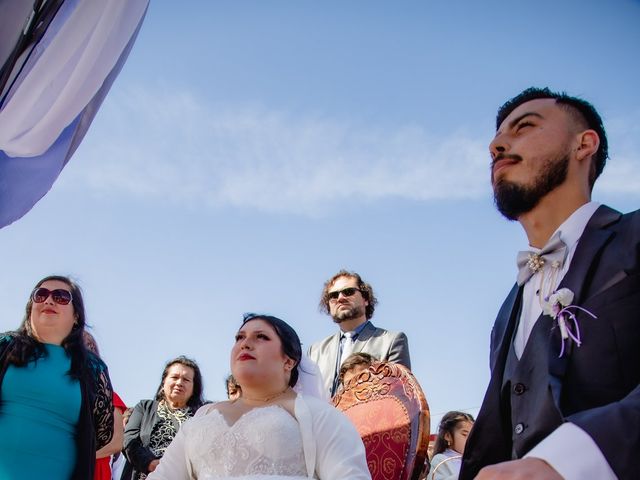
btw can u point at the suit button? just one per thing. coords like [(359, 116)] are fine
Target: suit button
[(519, 428), (519, 388)]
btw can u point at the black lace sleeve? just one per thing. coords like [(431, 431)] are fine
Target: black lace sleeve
[(102, 406), (5, 342), (5, 339)]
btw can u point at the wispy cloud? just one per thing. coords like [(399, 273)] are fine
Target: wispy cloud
[(174, 147), (622, 172)]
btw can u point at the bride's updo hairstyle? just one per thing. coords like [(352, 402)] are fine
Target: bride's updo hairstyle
[(291, 345)]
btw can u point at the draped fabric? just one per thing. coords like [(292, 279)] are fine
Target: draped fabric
[(54, 91)]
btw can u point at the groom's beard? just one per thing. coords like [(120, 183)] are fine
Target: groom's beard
[(512, 199), (348, 314)]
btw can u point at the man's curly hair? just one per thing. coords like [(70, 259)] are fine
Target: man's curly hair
[(365, 289)]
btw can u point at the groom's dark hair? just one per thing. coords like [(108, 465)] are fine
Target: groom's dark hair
[(582, 112)]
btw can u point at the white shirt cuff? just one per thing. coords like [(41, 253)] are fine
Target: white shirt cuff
[(573, 454)]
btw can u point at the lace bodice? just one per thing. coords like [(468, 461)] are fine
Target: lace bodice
[(264, 441)]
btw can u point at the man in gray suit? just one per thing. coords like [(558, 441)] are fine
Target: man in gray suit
[(350, 302)]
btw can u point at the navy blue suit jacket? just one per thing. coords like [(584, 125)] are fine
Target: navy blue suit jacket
[(595, 386)]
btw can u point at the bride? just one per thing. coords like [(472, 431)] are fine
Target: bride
[(270, 432)]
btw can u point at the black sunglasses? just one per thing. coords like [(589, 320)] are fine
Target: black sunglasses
[(347, 292), (59, 295)]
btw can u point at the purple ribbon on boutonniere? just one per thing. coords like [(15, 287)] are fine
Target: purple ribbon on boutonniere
[(558, 306)]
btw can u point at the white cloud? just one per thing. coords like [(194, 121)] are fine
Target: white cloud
[(621, 176), (175, 148), (622, 172)]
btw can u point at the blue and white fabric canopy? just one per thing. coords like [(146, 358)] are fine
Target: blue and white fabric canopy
[(59, 57)]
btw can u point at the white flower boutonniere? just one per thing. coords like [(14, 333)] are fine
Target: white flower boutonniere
[(558, 306)]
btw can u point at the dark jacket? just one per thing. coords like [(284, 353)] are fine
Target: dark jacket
[(137, 436), (595, 386), (95, 424)]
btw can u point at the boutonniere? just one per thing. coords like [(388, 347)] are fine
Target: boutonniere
[(558, 306)]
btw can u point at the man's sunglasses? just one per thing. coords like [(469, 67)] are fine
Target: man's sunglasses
[(59, 295), (346, 292)]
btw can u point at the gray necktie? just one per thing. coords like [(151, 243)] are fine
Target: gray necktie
[(554, 253), (347, 346)]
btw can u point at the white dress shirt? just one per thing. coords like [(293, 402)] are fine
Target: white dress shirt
[(568, 449)]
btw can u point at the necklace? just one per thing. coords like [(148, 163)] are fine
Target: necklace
[(264, 399)]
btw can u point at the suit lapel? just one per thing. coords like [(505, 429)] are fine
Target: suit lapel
[(364, 336), (332, 354), (504, 327), (328, 359), (578, 280), (593, 239)]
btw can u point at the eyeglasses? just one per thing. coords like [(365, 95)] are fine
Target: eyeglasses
[(346, 292), (59, 295)]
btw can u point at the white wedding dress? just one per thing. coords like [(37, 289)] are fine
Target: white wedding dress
[(263, 442), (266, 443)]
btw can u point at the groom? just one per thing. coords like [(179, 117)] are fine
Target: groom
[(564, 397)]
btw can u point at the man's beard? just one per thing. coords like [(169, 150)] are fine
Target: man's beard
[(512, 199), (348, 314)]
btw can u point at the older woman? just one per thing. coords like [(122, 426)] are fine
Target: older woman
[(270, 431), (154, 423), (55, 396)]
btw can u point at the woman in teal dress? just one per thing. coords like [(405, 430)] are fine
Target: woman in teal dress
[(55, 396)]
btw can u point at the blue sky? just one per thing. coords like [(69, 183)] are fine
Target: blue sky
[(251, 149)]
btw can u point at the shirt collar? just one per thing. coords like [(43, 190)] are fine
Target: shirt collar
[(571, 229), (357, 330)]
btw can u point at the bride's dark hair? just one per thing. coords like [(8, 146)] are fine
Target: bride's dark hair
[(291, 345)]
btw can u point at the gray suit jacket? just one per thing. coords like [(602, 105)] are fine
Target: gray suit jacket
[(378, 342)]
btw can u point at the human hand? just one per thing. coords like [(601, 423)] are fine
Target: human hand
[(153, 464), (524, 469)]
